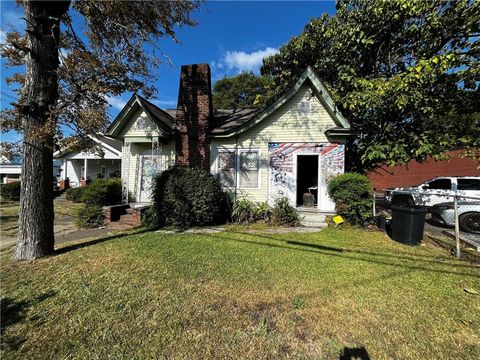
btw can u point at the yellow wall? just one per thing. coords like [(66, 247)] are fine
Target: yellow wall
[(285, 125)]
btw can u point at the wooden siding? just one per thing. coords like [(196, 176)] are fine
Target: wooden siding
[(132, 129), (136, 150), (285, 125)]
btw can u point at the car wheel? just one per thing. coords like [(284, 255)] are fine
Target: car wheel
[(470, 222)]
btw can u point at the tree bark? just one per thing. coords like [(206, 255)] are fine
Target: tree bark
[(39, 96)]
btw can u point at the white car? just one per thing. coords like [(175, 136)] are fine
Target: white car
[(435, 191)]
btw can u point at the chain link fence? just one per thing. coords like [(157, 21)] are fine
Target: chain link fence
[(452, 215)]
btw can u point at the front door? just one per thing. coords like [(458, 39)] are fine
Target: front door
[(307, 180), (149, 167)]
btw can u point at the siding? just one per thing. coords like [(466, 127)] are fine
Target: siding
[(138, 149), (285, 125), (148, 129)]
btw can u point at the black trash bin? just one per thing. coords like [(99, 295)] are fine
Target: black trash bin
[(408, 224)]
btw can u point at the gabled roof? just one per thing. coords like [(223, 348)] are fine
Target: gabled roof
[(248, 120), (109, 143), (162, 119)]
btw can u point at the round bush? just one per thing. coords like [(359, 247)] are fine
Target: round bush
[(74, 194), (353, 196), (186, 197), (11, 191), (89, 216), (103, 192)]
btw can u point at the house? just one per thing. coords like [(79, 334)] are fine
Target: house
[(102, 161), (289, 148), (415, 173), (11, 169)]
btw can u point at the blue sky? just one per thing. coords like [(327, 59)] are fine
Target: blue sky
[(231, 36)]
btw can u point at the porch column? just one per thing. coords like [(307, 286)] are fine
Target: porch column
[(65, 169), (85, 170)]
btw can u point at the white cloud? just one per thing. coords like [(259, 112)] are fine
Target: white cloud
[(165, 103), (116, 102), (241, 61)]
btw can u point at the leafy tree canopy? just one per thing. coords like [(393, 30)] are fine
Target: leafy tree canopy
[(105, 48), (240, 91), (404, 72)]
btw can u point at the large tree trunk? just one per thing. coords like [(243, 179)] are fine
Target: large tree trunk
[(39, 95)]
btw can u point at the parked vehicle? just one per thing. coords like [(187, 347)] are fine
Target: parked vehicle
[(468, 215), (435, 191)]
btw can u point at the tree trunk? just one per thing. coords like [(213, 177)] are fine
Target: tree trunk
[(39, 96)]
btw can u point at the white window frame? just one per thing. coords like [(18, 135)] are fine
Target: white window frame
[(237, 153), (259, 176), (217, 170)]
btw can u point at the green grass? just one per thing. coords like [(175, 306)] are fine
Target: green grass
[(9, 212), (237, 295)]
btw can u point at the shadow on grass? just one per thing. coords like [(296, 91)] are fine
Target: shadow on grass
[(12, 312), (359, 353), (68, 248), (408, 257), (347, 254)]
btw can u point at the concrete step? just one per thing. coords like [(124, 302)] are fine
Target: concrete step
[(313, 219)]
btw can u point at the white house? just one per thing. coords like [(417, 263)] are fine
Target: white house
[(104, 161)]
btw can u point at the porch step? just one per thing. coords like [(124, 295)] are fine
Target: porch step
[(130, 219), (313, 219)]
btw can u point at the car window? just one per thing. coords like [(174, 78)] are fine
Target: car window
[(468, 184), (440, 184)]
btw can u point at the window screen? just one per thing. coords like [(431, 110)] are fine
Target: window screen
[(226, 167), (249, 169)]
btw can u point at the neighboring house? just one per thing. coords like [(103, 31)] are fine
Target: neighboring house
[(11, 169), (415, 173), (102, 162), (287, 149)]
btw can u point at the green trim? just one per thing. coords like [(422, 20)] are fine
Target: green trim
[(322, 94), (124, 117)]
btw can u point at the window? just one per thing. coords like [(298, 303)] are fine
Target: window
[(440, 184), (468, 184), (249, 169), (226, 167), (304, 107), (103, 172)]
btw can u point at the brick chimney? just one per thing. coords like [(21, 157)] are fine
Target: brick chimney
[(194, 112)]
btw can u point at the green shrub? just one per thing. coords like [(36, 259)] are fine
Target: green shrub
[(11, 191), (74, 194), (103, 192), (353, 196), (150, 218), (245, 211), (89, 216), (186, 197), (285, 214)]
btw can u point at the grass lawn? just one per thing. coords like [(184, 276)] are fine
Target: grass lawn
[(238, 295), (9, 211)]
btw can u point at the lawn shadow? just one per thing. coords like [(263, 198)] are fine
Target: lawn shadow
[(359, 353), (345, 254), (402, 257), (13, 312), (100, 240)]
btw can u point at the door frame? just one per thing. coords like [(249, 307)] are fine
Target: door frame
[(295, 175), (146, 154)]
